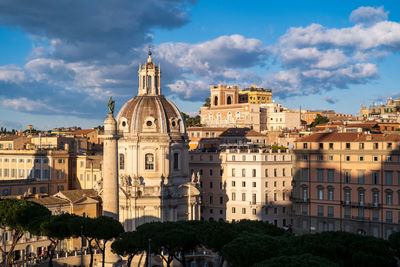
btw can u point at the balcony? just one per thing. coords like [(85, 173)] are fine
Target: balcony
[(361, 205), (357, 218)]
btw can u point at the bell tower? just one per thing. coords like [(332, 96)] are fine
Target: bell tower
[(149, 78)]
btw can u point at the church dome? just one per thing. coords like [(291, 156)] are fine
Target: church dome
[(150, 114), (149, 111)]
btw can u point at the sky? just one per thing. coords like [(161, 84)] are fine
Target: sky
[(61, 60)]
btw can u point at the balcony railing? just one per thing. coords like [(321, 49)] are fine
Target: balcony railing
[(361, 204)]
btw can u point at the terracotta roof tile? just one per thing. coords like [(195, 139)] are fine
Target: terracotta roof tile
[(349, 137)]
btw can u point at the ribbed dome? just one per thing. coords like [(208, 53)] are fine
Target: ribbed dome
[(150, 114)]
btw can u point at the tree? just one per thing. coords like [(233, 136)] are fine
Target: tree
[(248, 249), (56, 228), (174, 239), (129, 244), (296, 261), (20, 216), (191, 121), (394, 242), (345, 249), (207, 102), (319, 120), (104, 229)]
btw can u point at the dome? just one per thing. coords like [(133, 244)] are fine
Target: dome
[(150, 114)]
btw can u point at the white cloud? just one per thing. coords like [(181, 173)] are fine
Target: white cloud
[(368, 15), (26, 105)]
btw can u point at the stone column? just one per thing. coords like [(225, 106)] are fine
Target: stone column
[(110, 179)]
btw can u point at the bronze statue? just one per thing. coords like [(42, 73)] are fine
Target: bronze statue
[(110, 105)]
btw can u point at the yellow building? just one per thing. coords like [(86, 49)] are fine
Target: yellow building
[(88, 171), (255, 95)]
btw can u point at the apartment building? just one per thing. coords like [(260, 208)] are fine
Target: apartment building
[(244, 183), (34, 171), (347, 182)]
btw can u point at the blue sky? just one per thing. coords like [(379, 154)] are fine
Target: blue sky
[(62, 60)]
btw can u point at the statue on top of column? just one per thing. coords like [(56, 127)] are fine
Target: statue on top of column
[(110, 105)]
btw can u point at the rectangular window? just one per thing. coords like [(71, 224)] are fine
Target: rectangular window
[(347, 177), (389, 198), (243, 210), (361, 177), (347, 213), (243, 184), (233, 172), (266, 172), (233, 183), (375, 215), (275, 196), (347, 145), (330, 145), (389, 216), (331, 174), (388, 177), (243, 172), (360, 213), (375, 177), (211, 199), (266, 198), (253, 198), (211, 184), (304, 209), (221, 200), (254, 184), (283, 172), (330, 211), (275, 172), (375, 158), (233, 210), (320, 175), (254, 173), (320, 210), (211, 172), (233, 196), (304, 174), (320, 157), (243, 196)]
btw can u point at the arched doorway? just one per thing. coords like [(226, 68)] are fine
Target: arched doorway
[(216, 101), (229, 100)]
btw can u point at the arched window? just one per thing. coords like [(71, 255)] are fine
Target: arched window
[(149, 161), (229, 100), (176, 161), (320, 193), (144, 82), (216, 101), (121, 161)]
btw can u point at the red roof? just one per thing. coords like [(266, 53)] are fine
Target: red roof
[(349, 137)]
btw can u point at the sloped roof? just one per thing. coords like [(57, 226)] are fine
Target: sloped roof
[(349, 137), (77, 195)]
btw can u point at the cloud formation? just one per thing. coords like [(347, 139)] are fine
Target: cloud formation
[(86, 51), (368, 15)]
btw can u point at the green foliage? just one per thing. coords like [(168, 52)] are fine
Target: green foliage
[(191, 121), (170, 238), (248, 249), (346, 249), (20, 216), (259, 227), (296, 261), (394, 242), (275, 148), (129, 244), (103, 229), (319, 120), (207, 102)]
